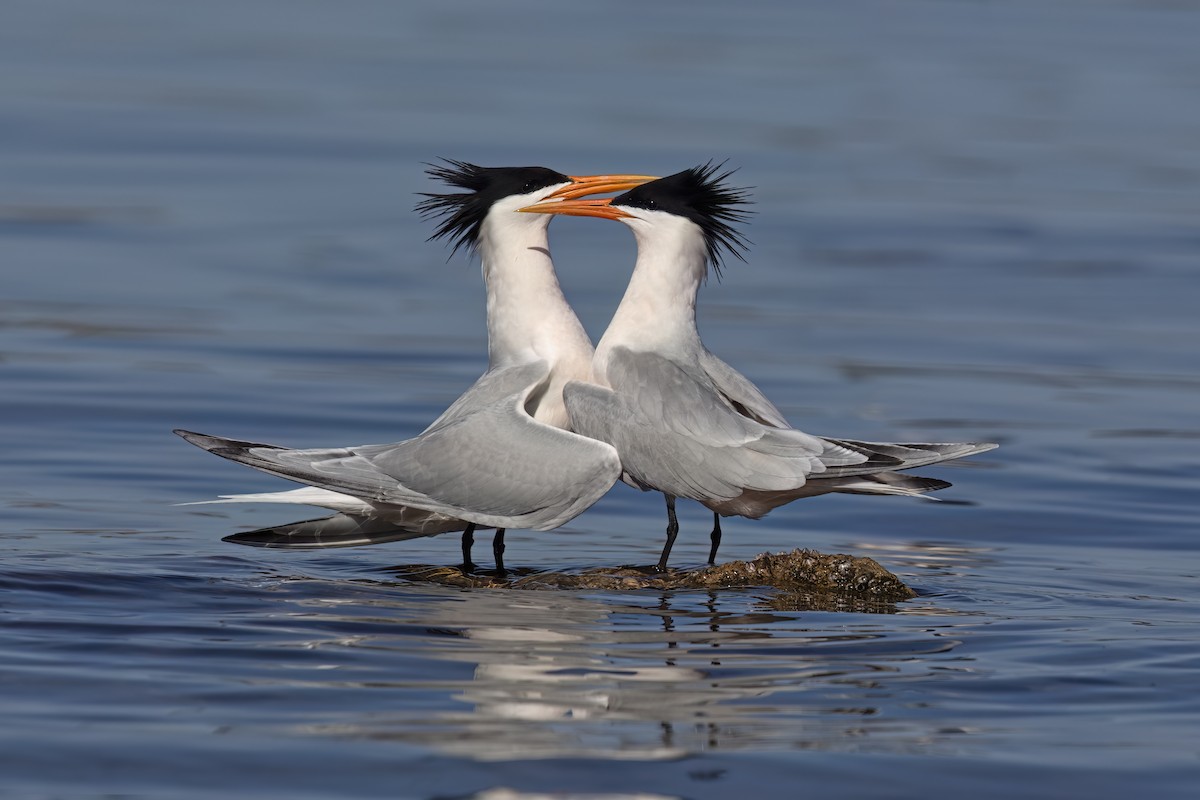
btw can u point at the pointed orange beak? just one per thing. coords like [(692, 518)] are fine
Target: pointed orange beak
[(600, 207), (584, 185)]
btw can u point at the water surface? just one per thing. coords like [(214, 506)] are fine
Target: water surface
[(973, 222)]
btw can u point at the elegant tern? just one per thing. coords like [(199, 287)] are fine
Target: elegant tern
[(499, 456), (684, 422)]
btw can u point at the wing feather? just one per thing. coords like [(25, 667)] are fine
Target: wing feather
[(741, 391), (677, 433), (485, 460)]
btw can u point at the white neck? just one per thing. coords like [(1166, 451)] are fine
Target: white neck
[(528, 317), (658, 311)]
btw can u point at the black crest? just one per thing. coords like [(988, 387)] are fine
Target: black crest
[(701, 195), (461, 216)]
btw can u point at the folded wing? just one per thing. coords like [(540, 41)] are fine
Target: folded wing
[(485, 460), (706, 432), (677, 432)]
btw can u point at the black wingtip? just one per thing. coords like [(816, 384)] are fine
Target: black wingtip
[(219, 445), (338, 530), (201, 440)]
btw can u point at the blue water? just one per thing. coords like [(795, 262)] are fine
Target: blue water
[(974, 221)]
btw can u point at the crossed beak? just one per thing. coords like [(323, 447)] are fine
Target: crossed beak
[(565, 200), (585, 185), (600, 207)]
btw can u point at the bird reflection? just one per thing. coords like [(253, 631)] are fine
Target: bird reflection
[(645, 676)]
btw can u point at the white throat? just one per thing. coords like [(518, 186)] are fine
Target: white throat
[(528, 317), (658, 310)]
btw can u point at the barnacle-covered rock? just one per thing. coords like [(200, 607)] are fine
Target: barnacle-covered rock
[(805, 578)]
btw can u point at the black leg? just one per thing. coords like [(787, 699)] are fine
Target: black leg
[(498, 549), (716, 538), (672, 532), (468, 541)]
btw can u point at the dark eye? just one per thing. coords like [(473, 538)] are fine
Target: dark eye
[(650, 203), (529, 187)]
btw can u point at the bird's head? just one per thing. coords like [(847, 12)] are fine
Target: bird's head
[(460, 215), (696, 202)]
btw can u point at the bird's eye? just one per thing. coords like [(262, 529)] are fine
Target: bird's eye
[(529, 187), (650, 203)]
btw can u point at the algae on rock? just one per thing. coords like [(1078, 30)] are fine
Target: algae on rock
[(826, 580)]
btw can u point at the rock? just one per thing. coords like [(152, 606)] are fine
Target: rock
[(807, 580)]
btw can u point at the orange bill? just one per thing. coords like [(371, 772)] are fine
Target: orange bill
[(584, 185), (600, 207)]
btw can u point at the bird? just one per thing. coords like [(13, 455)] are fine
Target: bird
[(684, 422), (500, 456)]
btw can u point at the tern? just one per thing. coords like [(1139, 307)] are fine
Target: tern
[(499, 456), (684, 422)]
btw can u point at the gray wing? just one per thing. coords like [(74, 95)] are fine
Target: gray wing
[(339, 530), (486, 460), (502, 466), (892, 456), (493, 386), (678, 433), (740, 392)]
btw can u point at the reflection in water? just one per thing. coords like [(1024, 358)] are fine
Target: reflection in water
[(560, 675), (511, 794), (930, 557)]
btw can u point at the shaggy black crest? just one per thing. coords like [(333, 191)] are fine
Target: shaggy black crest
[(461, 215), (701, 195)]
